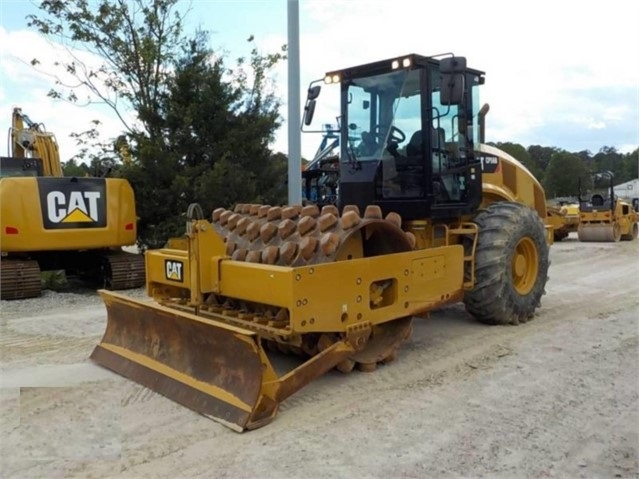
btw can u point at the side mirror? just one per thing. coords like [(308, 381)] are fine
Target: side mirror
[(452, 65), (452, 71), (309, 111), (313, 92)]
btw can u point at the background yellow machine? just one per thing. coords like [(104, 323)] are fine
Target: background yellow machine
[(422, 220), (605, 218), (51, 222), (563, 219)]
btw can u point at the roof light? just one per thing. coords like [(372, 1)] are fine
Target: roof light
[(406, 62), (335, 78), (327, 79), (395, 64)]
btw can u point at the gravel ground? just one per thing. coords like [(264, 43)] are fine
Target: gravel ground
[(556, 397), (77, 297)]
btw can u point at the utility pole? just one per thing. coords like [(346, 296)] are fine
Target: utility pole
[(294, 107)]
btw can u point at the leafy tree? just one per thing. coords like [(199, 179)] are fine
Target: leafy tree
[(101, 155), (199, 130), (541, 155), (273, 184), (130, 44), (563, 175), (216, 129), (72, 168), (609, 159), (520, 153), (629, 168), (585, 156)]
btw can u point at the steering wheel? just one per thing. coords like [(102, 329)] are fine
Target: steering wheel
[(395, 134)]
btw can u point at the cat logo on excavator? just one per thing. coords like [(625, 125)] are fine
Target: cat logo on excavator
[(81, 206), (73, 205)]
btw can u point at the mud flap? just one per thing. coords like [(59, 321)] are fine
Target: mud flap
[(215, 369)]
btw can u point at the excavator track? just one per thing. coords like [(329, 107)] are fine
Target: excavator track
[(19, 279), (122, 270), (297, 236)]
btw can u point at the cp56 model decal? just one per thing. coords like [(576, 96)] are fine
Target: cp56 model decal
[(489, 163), (72, 202)]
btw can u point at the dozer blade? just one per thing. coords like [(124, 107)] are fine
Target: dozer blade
[(215, 369)]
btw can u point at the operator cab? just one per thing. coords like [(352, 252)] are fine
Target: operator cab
[(408, 128), (598, 201)]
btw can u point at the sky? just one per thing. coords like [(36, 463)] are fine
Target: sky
[(558, 73)]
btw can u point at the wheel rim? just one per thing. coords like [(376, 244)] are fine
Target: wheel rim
[(525, 266)]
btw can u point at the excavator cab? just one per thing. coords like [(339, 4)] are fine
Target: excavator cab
[(408, 130)]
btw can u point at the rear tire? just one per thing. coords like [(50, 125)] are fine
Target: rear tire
[(511, 264)]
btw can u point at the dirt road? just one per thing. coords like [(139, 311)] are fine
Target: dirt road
[(556, 397)]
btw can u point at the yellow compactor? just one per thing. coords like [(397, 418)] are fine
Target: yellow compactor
[(563, 219), (425, 217), (52, 222), (606, 218)]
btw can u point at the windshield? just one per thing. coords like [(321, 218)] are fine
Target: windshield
[(382, 110)]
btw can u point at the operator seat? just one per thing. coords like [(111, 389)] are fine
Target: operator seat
[(368, 146), (414, 146), (445, 185), (597, 200), (437, 138)]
